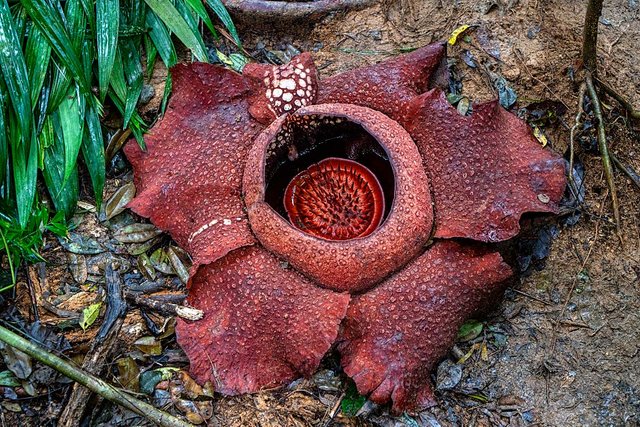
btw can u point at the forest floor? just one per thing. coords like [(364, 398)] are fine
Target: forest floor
[(562, 346)]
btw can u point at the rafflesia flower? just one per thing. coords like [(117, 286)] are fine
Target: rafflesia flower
[(357, 210)]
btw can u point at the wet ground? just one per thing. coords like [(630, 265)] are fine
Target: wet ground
[(560, 350)]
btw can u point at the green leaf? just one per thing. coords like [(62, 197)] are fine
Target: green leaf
[(161, 39), (190, 18), (4, 143), (132, 68), (352, 401), (71, 114), (152, 55), (118, 81), (52, 26), (14, 70), (198, 7), (24, 159), (168, 13), (168, 85), (7, 379), (93, 152), (64, 193), (76, 23), (37, 54), (469, 330), (107, 19), (59, 86), (222, 13), (89, 315)]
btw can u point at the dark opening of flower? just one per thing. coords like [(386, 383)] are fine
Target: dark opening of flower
[(336, 199)]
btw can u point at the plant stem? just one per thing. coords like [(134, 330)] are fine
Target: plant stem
[(590, 35), (604, 150), (94, 384)]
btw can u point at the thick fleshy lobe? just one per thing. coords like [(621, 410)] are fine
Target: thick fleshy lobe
[(487, 169), (387, 86), (394, 334), (189, 180), (264, 324)]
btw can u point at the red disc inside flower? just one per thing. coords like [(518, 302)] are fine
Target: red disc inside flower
[(336, 199)]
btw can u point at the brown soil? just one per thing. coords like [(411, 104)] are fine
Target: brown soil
[(571, 328)]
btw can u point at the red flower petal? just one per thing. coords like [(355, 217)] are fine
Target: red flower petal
[(395, 333), (284, 88), (189, 180), (486, 169), (264, 324), (386, 86)]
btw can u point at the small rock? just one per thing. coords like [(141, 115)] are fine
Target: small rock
[(448, 376), (147, 94)]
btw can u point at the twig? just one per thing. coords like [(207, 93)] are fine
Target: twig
[(631, 174), (581, 94), (116, 305), (531, 296), (604, 150), (188, 313), (334, 410), (103, 349), (621, 100), (96, 385)]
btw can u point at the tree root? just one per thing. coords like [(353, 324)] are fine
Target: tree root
[(604, 149), (633, 113)]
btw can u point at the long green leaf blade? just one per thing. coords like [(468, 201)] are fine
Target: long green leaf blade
[(198, 7), (133, 73), (167, 12), (37, 54), (222, 13), (93, 153), (71, 114), (63, 192), (4, 143), (161, 39), (107, 19), (14, 70), (52, 26), (24, 162)]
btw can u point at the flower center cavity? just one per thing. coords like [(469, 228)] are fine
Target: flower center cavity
[(336, 199)]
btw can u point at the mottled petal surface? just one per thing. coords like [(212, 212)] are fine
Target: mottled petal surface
[(189, 180), (283, 88), (264, 324), (486, 169), (396, 333), (386, 86)]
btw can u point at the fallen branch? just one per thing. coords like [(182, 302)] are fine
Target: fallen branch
[(187, 313), (103, 349), (94, 384)]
